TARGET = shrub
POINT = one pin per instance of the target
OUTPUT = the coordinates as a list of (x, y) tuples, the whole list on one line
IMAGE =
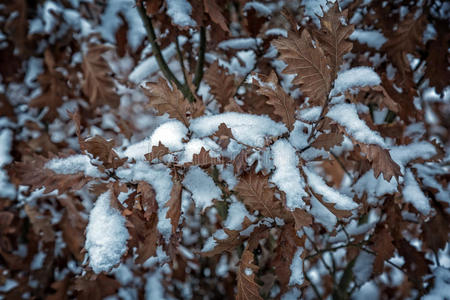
[(220, 149)]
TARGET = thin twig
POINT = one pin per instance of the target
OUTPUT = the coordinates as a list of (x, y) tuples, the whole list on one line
[(157, 51), (183, 70), (342, 165), (201, 58), (315, 289)]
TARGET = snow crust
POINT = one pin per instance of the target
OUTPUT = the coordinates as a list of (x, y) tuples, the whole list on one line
[(240, 44), (246, 128), (170, 134), (346, 115), (180, 12), (73, 164), (297, 268), (414, 195), (329, 194), (286, 175), (261, 9), (355, 77), (371, 38), (7, 190), (106, 235), (202, 187)]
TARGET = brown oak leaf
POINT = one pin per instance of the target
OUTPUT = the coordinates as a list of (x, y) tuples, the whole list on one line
[(307, 63), (383, 247), (222, 84), (284, 105), (157, 152), (215, 12), (174, 204), (381, 162), (256, 194), (333, 37), (98, 83), (246, 285)]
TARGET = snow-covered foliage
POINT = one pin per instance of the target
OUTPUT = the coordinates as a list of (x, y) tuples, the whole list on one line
[(180, 149)]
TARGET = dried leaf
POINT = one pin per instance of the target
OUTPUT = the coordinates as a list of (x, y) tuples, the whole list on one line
[(438, 59), (174, 204), (383, 247), (203, 159), (308, 64), (168, 100), (234, 238), (33, 173), (284, 105), (381, 162), (404, 40), (215, 13), (157, 152), (147, 199), (328, 140), (301, 218), (54, 89), (223, 135), (333, 37), (222, 84), (286, 248), (41, 224), (98, 83), (256, 194), (103, 150), (246, 286)]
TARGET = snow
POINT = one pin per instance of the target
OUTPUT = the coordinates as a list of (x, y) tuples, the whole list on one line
[(154, 290), (298, 138), (158, 176), (276, 31), (106, 235), (246, 128), (8, 285), (372, 38), (287, 176), (180, 12), (236, 214), (292, 294), (322, 215), (73, 164), (374, 187), (150, 66), (202, 187), (347, 116), (6, 137), (362, 269), (194, 146), (329, 194), (310, 114), (240, 44), (110, 22), (406, 153), (261, 9), (211, 241), (170, 134), (355, 77), (315, 9), (297, 268), (414, 195), (441, 288)]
